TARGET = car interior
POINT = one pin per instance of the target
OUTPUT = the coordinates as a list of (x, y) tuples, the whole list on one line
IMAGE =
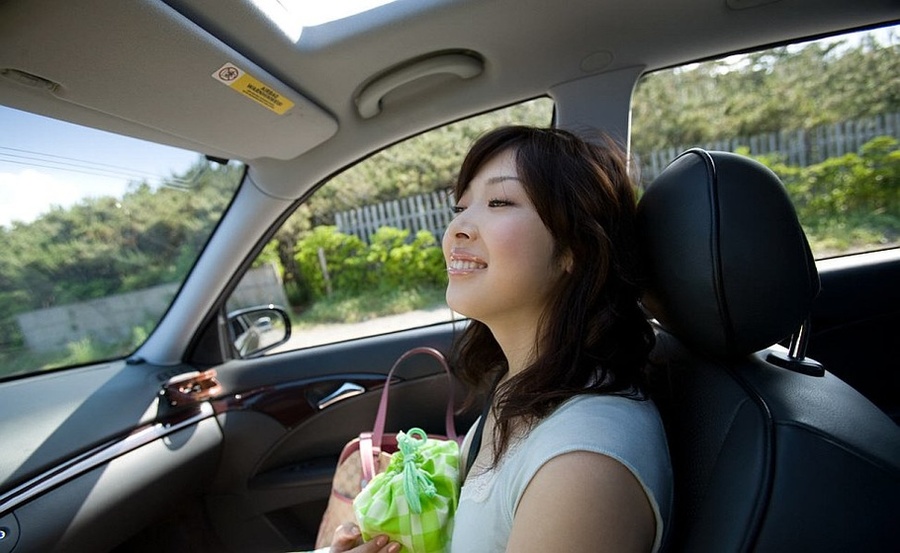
[(219, 427)]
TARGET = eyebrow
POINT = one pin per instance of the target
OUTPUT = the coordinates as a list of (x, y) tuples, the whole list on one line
[(502, 178)]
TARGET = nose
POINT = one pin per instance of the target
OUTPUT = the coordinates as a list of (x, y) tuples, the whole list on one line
[(460, 228)]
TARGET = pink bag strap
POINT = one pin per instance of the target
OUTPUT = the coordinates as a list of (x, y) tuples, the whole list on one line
[(370, 443), (367, 455)]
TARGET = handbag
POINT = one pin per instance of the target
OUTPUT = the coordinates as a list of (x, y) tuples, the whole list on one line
[(414, 500), (370, 454)]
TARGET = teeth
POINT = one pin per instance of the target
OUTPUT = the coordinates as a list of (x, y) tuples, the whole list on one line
[(461, 265)]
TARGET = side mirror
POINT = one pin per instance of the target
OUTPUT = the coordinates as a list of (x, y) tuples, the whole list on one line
[(255, 330)]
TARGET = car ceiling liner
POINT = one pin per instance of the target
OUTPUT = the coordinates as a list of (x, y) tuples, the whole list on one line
[(246, 112)]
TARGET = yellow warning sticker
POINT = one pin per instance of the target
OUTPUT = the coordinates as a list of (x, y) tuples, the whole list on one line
[(245, 83)]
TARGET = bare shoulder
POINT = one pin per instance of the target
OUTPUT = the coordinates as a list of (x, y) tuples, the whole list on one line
[(583, 501)]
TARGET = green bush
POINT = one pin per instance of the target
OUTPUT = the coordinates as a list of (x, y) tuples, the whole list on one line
[(398, 263), (298, 293), (390, 262), (345, 259), (849, 201), (389, 258)]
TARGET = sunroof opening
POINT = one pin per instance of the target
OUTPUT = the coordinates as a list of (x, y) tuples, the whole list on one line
[(317, 13), (292, 16)]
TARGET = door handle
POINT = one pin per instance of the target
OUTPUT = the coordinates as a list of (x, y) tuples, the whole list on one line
[(345, 391), (192, 387)]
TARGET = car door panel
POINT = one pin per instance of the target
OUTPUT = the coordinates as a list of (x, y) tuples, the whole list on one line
[(94, 454), (855, 320), (65, 413), (71, 412), (280, 449), (264, 450), (98, 509)]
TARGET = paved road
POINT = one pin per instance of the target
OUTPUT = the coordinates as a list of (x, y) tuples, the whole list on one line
[(330, 333)]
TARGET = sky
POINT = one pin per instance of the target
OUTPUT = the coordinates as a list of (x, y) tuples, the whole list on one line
[(46, 163), (291, 16)]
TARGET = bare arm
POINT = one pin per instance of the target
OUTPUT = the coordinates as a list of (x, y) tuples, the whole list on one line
[(583, 501)]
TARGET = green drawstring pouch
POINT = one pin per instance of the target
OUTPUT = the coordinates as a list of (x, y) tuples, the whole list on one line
[(413, 501)]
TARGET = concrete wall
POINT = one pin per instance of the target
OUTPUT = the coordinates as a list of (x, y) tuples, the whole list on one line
[(113, 319)]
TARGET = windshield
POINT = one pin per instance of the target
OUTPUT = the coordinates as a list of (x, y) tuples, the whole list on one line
[(98, 232)]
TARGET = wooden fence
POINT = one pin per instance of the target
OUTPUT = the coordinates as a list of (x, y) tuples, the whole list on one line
[(800, 148), (432, 211)]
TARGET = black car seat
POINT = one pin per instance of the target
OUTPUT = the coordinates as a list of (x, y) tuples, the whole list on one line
[(770, 452)]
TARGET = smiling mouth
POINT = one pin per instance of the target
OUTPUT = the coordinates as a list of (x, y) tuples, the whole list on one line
[(465, 265)]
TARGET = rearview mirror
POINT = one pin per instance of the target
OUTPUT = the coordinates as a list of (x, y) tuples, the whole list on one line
[(255, 330)]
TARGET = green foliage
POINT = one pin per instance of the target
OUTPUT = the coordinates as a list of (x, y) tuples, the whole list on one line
[(398, 263), (296, 287), (268, 255), (82, 351), (297, 293), (345, 261), (104, 246), (353, 309), (782, 88), (848, 202), (19, 360), (422, 164), (390, 262)]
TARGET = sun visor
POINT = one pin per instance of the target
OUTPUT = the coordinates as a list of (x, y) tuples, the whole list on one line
[(145, 64)]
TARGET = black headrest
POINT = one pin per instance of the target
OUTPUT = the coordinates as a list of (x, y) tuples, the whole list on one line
[(730, 270)]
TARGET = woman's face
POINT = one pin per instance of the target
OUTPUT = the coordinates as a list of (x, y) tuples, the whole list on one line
[(499, 255)]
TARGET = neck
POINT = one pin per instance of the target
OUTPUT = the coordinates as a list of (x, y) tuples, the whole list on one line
[(518, 344)]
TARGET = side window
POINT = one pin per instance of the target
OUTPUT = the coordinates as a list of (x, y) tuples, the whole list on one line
[(823, 115), (362, 256), (98, 232)]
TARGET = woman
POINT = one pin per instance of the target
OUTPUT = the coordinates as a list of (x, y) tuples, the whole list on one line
[(541, 256)]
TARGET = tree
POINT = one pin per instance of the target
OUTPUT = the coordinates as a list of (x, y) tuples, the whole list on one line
[(105, 246), (785, 88)]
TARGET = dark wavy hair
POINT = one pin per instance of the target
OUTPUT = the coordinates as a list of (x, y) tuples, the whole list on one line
[(593, 335)]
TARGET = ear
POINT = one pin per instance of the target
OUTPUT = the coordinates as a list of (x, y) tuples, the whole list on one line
[(567, 261)]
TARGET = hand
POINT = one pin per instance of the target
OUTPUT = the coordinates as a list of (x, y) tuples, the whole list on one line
[(348, 539)]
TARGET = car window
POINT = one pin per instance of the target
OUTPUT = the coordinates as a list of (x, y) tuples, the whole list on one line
[(362, 256), (98, 232), (823, 115)]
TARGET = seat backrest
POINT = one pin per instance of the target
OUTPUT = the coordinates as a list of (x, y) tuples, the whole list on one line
[(765, 458)]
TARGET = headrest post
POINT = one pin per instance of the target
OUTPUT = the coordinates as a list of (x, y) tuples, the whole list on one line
[(795, 359), (799, 341)]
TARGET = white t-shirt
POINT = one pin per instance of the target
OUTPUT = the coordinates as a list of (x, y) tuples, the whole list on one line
[(627, 430)]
